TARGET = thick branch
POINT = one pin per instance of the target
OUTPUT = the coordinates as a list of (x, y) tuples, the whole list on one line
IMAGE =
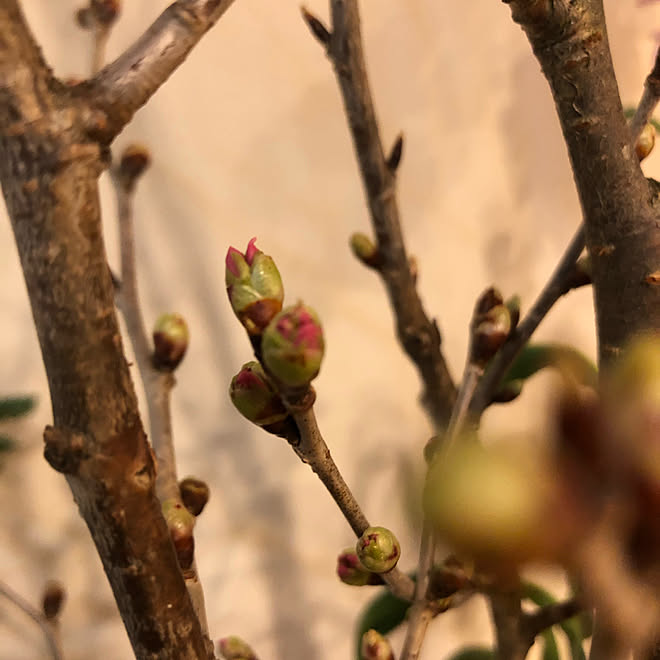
[(125, 85), (48, 171), (569, 39), (417, 333)]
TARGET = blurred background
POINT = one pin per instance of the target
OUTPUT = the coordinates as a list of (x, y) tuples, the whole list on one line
[(249, 139)]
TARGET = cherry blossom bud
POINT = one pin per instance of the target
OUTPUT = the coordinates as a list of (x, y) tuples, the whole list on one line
[(194, 494), (171, 339), (234, 648), (489, 328), (378, 549), (351, 571), (180, 523), (374, 646), (645, 141), (254, 287), (292, 346), (255, 397)]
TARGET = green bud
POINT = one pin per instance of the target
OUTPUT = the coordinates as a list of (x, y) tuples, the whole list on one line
[(234, 648), (254, 287), (364, 250), (171, 339), (292, 346), (374, 646), (378, 549), (351, 571), (180, 523), (254, 396)]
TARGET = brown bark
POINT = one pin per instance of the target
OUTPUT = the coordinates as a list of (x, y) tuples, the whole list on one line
[(50, 160)]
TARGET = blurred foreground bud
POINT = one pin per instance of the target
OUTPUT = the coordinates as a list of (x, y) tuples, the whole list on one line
[(180, 524), (292, 346), (134, 161), (234, 648), (489, 328), (105, 12), (645, 142), (494, 505), (365, 250), (194, 494), (53, 599), (254, 396), (254, 287), (171, 338), (378, 549), (374, 646), (351, 571)]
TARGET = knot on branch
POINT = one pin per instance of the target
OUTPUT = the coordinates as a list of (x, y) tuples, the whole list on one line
[(64, 449)]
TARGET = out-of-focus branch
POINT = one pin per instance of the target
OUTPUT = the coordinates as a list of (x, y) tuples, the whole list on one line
[(38, 617), (124, 86), (550, 615), (507, 615), (559, 283), (417, 333), (648, 102)]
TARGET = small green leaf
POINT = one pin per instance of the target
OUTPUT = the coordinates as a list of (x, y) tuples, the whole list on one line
[(384, 613), (550, 650), (473, 653), (16, 406)]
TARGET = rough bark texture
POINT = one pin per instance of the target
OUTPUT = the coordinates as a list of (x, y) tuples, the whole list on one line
[(621, 211), (49, 166)]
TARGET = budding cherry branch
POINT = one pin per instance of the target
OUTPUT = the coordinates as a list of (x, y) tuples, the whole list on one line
[(55, 142)]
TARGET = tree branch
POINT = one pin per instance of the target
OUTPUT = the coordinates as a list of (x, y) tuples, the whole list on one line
[(417, 333), (125, 85), (569, 38), (550, 615)]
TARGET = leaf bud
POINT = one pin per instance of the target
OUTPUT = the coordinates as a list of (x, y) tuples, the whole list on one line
[(254, 287), (105, 12), (292, 346), (53, 599), (373, 646), (255, 397), (180, 523), (134, 161), (378, 549), (365, 250), (234, 648), (489, 328), (645, 141), (194, 494), (171, 339), (351, 571)]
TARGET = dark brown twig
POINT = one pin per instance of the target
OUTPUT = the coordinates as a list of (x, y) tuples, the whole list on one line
[(417, 333)]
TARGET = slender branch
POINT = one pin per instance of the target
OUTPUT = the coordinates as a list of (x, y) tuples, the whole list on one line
[(550, 615), (53, 644), (557, 285), (648, 102), (312, 449), (507, 615), (417, 333), (125, 85)]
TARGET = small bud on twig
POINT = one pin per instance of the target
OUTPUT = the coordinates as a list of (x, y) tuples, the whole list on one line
[(171, 338), (378, 549), (374, 646), (194, 494), (365, 250), (134, 161), (255, 397), (180, 523), (53, 599), (394, 157), (489, 328), (351, 571), (320, 32), (234, 648), (645, 142), (105, 12)]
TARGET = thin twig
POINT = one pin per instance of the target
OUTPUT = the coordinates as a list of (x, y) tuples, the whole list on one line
[(313, 450), (553, 290), (648, 102), (550, 615), (417, 333), (43, 623)]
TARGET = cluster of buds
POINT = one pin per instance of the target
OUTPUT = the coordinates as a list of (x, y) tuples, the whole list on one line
[(254, 287), (180, 524), (491, 325), (171, 337)]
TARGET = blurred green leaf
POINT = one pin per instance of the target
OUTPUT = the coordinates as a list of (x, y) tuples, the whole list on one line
[(16, 406), (6, 443), (550, 650), (384, 613), (534, 357), (473, 653)]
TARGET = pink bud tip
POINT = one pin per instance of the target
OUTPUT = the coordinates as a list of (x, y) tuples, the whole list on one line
[(230, 263), (252, 251)]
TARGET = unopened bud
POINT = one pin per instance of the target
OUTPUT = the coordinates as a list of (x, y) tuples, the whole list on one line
[(254, 287), (134, 160), (365, 250), (180, 523), (194, 494), (374, 646), (85, 18), (351, 571), (292, 346), (255, 397), (378, 549), (105, 12), (489, 328), (513, 305), (53, 599), (645, 141), (234, 648), (171, 339)]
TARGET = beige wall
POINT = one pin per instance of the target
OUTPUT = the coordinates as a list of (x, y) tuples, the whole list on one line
[(249, 139)]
